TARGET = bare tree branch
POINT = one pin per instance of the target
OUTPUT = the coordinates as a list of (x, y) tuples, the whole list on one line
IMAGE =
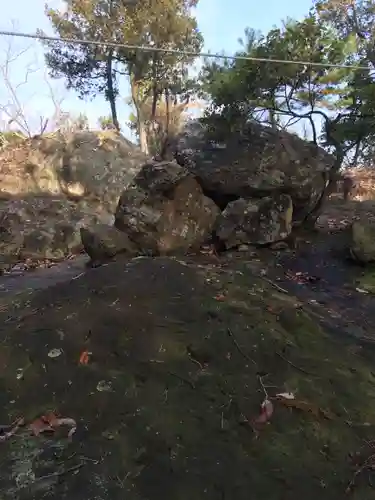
[(12, 106)]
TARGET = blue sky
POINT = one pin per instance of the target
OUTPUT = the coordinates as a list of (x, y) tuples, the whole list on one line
[(221, 22)]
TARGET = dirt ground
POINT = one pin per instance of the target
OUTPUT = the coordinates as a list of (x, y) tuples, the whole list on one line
[(250, 376), (320, 271)]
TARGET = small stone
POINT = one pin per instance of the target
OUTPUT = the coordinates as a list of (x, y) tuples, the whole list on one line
[(243, 248), (104, 386), (55, 353)]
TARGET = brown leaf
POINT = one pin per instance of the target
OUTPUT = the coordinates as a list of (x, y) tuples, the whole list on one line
[(39, 425), (50, 422)]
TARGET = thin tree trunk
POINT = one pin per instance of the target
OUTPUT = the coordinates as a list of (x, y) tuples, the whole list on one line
[(143, 135), (141, 122), (110, 93), (165, 133)]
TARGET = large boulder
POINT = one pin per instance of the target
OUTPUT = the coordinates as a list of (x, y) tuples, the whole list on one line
[(39, 228), (52, 185), (164, 210), (254, 162), (362, 241), (258, 222), (102, 242), (93, 165)]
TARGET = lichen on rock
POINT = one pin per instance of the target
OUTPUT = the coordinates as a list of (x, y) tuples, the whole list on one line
[(255, 221), (164, 210)]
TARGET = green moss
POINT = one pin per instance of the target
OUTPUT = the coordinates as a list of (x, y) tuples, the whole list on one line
[(363, 241), (184, 369), (367, 280)]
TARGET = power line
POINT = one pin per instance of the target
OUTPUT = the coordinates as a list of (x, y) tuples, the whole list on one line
[(177, 52), (146, 48)]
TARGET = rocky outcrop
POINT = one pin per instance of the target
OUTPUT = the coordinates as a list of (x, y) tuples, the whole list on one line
[(258, 222), (256, 162), (52, 186), (43, 228), (97, 191), (82, 165), (163, 211)]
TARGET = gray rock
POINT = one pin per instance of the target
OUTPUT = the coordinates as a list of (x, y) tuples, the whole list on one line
[(37, 228), (164, 210), (254, 162), (255, 222), (102, 242), (93, 165), (362, 241)]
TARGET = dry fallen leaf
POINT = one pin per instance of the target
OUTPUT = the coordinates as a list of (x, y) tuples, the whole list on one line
[(40, 425), (285, 395), (50, 422), (306, 407), (84, 358), (220, 297), (266, 411)]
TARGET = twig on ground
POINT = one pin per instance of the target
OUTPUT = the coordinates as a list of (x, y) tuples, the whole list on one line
[(238, 347), (293, 365), (196, 362), (187, 381), (282, 290), (10, 430), (61, 473), (263, 387)]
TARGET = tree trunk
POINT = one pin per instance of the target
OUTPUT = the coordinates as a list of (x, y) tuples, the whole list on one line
[(110, 93), (143, 135), (272, 119), (330, 179), (141, 121)]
